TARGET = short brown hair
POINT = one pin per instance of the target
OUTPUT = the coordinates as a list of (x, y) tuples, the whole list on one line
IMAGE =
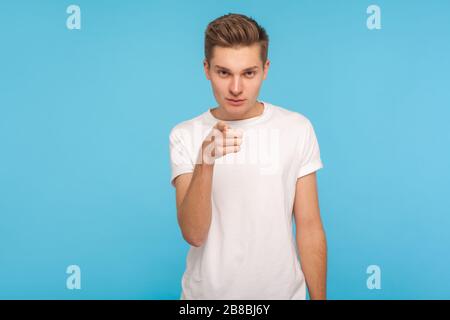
[(232, 30)]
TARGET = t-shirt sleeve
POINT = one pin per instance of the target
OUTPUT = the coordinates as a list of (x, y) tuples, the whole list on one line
[(180, 159), (309, 152)]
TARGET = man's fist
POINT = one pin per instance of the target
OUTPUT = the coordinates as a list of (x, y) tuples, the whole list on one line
[(220, 141)]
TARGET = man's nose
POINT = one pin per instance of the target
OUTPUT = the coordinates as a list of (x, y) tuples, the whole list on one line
[(236, 86)]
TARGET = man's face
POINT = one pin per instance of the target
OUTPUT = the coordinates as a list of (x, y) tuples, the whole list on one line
[(236, 74)]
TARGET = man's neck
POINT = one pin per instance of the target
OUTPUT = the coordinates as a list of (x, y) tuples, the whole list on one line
[(255, 111)]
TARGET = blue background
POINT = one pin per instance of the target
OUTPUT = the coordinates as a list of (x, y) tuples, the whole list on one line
[(85, 117)]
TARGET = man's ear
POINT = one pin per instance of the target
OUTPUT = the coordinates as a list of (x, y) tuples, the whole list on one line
[(266, 68), (206, 68)]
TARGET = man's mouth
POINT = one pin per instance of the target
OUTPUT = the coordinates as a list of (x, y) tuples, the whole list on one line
[(235, 102)]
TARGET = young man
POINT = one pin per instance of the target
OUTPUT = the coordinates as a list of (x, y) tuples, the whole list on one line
[(242, 171)]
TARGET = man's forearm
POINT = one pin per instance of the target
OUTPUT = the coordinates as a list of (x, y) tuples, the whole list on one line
[(194, 214), (312, 248)]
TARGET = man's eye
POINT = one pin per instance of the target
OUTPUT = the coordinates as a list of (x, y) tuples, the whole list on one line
[(250, 73), (222, 73)]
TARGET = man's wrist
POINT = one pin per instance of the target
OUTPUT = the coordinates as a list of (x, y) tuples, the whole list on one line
[(205, 166)]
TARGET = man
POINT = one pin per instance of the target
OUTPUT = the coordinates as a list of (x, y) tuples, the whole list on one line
[(242, 171)]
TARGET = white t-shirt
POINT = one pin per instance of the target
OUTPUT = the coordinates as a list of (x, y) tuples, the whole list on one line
[(250, 251)]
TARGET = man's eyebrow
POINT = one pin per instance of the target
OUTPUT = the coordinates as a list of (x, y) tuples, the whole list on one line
[(246, 69)]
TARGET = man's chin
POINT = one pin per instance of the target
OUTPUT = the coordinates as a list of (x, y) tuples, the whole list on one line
[(235, 109)]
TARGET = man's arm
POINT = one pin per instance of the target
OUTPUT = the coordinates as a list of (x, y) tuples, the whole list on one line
[(311, 241), (193, 197), (193, 190)]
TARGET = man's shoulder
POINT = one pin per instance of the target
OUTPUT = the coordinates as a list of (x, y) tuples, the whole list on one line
[(189, 123)]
